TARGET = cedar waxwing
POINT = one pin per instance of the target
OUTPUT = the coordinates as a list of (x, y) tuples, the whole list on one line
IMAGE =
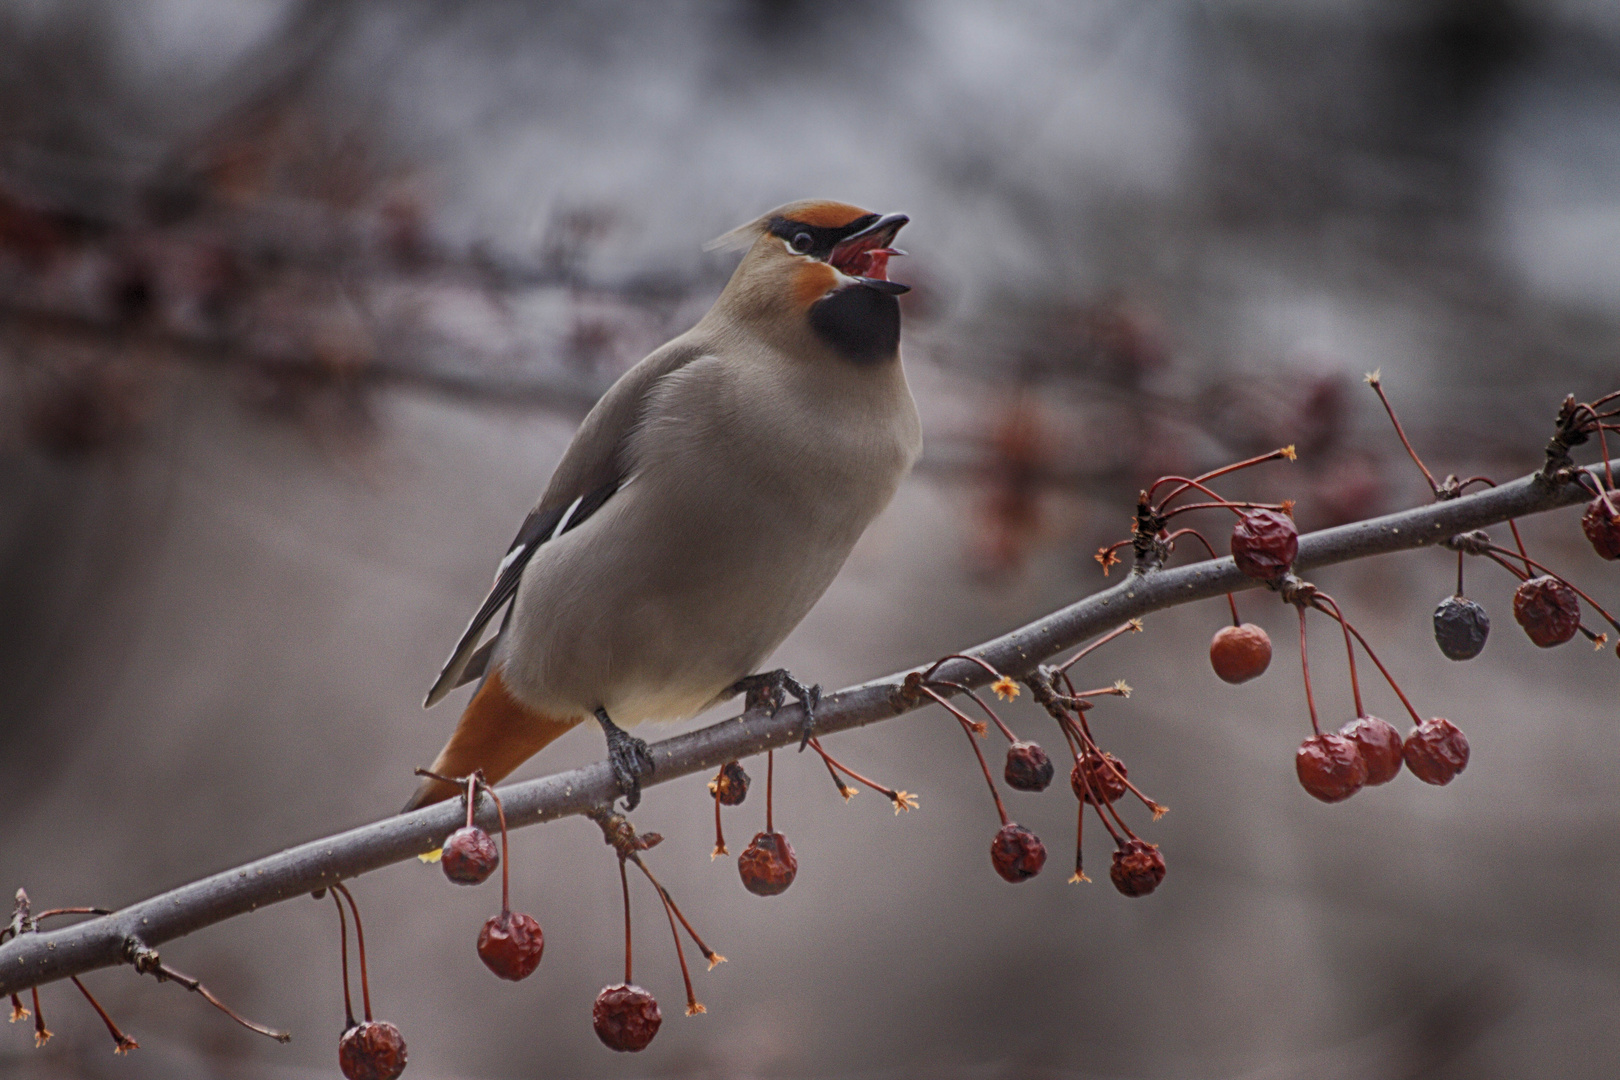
[(703, 507)]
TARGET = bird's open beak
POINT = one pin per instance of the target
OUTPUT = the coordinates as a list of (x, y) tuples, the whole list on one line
[(865, 255)]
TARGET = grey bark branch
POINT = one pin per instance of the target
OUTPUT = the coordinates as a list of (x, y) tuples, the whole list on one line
[(35, 958)]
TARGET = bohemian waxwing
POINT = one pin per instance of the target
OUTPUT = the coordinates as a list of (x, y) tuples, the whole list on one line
[(703, 507)]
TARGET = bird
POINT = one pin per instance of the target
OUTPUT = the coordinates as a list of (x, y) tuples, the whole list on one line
[(704, 505)]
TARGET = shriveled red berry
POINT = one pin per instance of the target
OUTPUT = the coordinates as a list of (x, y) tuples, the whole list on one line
[(470, 856), (767, 865), (1380, 746), (1436, 751), (1138, 868), (1601, 524), (1028, 767), (1106, 774), (1017, 853), (1330, 767), (510, 945), (1264, 543), (731, 786), (1549, 610), (374, 1050), (625, 1017), (1240, 653), (1460, 628)]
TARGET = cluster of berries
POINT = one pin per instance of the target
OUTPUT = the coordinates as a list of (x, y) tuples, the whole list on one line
[(625, 1016)]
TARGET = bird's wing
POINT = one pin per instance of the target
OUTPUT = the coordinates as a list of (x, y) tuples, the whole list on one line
[(589, 474)]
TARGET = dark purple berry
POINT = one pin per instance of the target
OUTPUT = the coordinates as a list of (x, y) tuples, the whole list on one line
[(1138, 868), (1460, 628), (1028, 767), (1017, 853)]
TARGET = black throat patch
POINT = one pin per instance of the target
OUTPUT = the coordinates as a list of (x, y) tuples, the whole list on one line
[(860, 324)]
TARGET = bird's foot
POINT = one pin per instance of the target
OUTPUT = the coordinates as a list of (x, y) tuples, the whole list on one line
[(769, 689), (629, 757)]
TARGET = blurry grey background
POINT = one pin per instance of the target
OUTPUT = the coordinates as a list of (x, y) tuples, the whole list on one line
[(300, 301)]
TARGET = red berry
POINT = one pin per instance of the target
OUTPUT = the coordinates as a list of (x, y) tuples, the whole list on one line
[(510, 945), (374, 1050), (1138, 868), (469, 856), (1264, 543), (625, 1017), (1380, 746), (1436, 751), (1240, 653), (1549, 610), (1601, 524), (1330, 767), (731, 786), (1028, 767), (1105, 772), (767, 865), (1017, 853)]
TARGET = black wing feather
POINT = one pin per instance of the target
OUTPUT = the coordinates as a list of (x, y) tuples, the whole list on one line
[(467, 663)]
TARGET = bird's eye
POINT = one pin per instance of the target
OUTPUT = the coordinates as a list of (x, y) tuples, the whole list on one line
[(802, 242)]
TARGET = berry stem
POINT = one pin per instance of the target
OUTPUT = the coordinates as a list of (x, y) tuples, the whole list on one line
[(708, 954), (624, 882), (975, 727), (719, 833), (1305, 666), (988, 711), (988, 779), (122, 1044), (1459, 575), (1224, 504), (17, 1010), (1349, 648), (1196, 535), (1134, 626), (42, 1034), (1393, 685), (770, 789), (506, 861), (360, 947), (1079, 846), (937, 664), (71, 911), (164, 973), (1378, 388), (693, 1006), (343, 952), (833, 763), (1157, 809), (1281, 453)]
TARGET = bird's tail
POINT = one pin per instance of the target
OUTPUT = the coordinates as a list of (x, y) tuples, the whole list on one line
[(497, 733)]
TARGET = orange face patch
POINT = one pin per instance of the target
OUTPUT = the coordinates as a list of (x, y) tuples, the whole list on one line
[(828, 215), (812, 281)]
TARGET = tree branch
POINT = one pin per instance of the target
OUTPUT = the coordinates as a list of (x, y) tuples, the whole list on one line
[(34, 958)]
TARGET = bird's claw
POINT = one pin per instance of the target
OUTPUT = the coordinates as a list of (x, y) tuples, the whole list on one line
[(630, 759), (769, 689)]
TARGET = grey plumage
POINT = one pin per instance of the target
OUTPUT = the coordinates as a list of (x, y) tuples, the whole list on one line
[(705, 503)]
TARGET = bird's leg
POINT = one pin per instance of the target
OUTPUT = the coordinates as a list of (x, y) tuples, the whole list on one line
[(629, 757), (769, 689)]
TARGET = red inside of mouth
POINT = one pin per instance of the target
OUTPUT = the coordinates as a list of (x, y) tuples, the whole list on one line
[(866, 256)]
